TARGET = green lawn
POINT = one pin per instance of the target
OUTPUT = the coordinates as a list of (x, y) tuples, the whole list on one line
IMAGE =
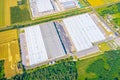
[(1, 13), (103, 67), (82, 65)]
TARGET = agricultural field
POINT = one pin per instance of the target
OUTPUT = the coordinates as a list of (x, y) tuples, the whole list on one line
[(5, 12), (9, 52), (95, 3), (111, 14), (20, 13), (102, 67), (1, 13), (8, 36)]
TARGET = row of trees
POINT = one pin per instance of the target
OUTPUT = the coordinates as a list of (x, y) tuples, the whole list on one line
[(2, 69), (59, 71)]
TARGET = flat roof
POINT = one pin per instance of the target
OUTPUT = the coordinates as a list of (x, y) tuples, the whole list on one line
[(62, 1), (44, 5), (35, 45), (52, 41), (68, 3), (83, 31), (40, 43)]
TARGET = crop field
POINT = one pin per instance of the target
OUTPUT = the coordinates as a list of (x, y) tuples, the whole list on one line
[(95, 3), (5, 12), (7, 36), (1, 13), (9, 51)]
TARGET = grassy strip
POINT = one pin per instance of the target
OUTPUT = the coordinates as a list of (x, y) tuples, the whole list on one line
[(55, 16), (48, 18)]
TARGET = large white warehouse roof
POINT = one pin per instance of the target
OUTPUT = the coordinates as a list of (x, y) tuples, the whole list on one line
[(83, 31), (44, 5), (35, 45), (62, 1)]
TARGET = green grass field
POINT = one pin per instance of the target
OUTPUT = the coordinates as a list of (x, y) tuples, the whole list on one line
[(19, 15), (102, 67), (82, 65), (1, 13)]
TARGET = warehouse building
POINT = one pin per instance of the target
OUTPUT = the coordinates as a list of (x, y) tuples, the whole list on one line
[(67, 4), (35, 45), (83, 31), (40, 43), (52, 41), (40, 7)]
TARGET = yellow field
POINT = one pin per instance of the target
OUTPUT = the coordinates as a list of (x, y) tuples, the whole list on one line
[(95, 3), (7, 4), (7, 36), (9, 51), (104, 47)]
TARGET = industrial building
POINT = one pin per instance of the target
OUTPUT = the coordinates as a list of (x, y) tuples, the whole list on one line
[(44, 7), (40, 43), (53, 40), (83, 31), (67, 4), (40, 7)]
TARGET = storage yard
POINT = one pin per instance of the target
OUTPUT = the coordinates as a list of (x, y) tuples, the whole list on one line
[(40, 43), (9, 51)]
